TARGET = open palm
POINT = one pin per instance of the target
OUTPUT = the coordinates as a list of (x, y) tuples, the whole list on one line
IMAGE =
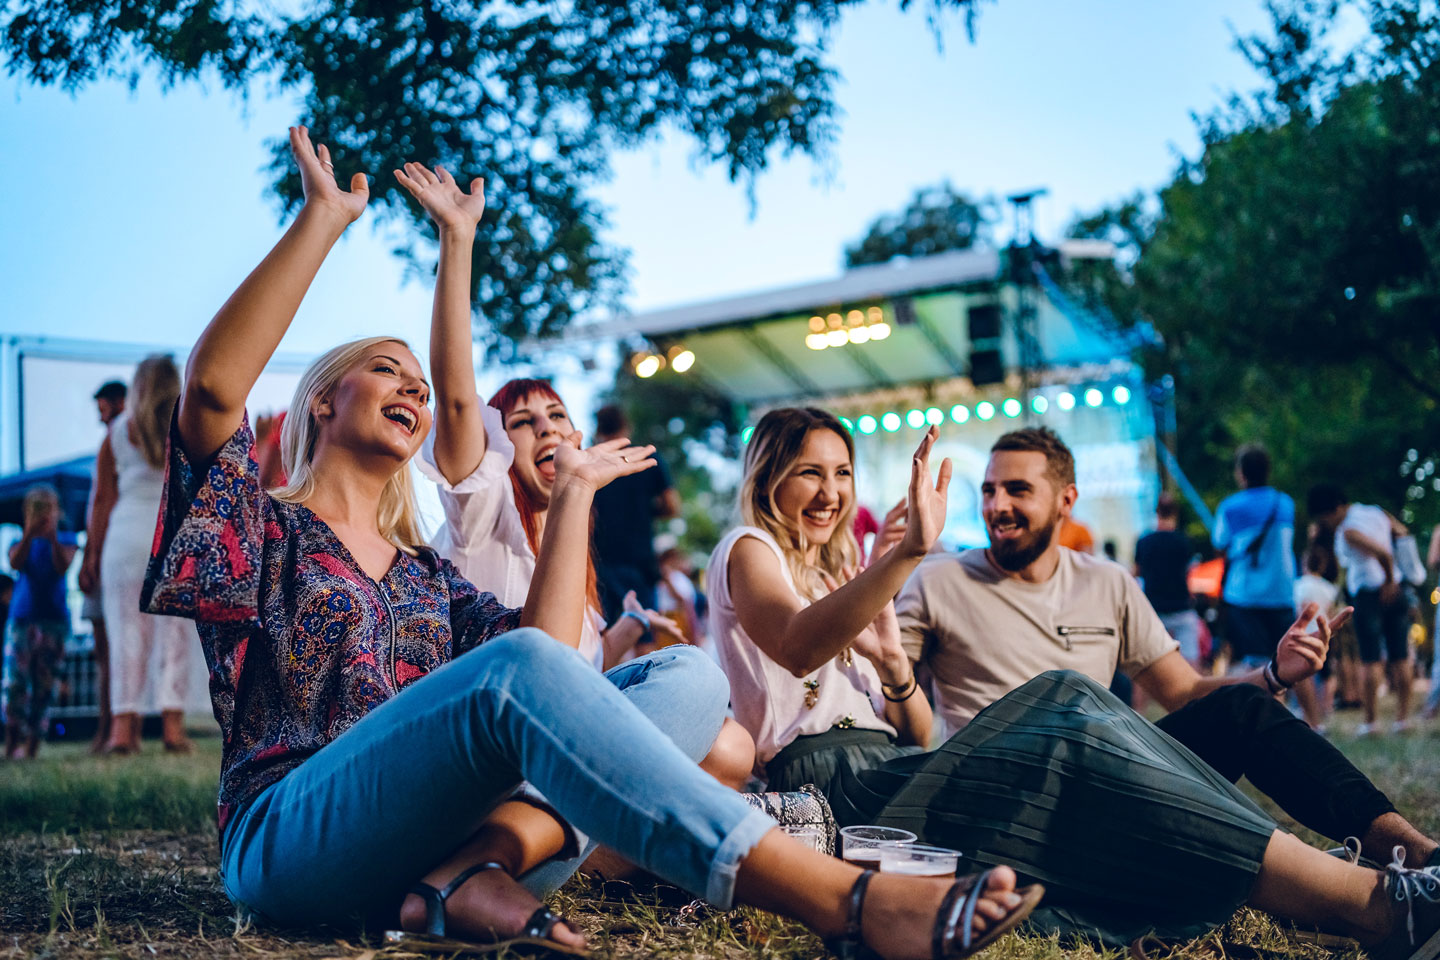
[(925, 503), (317, 178), (448, 205), (598, 465)]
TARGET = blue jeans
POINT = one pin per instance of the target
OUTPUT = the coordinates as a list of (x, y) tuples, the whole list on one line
[(344, 835)]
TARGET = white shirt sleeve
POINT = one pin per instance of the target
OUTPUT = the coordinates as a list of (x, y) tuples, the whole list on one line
[(483, 535)]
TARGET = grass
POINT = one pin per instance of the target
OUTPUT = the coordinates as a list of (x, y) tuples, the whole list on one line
[(117, 858)]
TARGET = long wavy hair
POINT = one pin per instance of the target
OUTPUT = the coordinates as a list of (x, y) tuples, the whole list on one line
[(770, 457), (153, 394), (506, 399), (398, 517)]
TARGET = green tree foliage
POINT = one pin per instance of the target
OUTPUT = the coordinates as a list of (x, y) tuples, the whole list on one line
[(937, 219), (1293, 268), (531, 95)]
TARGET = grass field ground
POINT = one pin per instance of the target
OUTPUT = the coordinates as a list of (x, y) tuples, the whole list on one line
[(109, 857)]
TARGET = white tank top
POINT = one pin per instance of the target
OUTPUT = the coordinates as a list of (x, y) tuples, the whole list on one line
[(138, 485), (770, 701)]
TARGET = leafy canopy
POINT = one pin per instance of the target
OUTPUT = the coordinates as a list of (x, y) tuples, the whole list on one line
[(936, 219), (531, 95), (1294, 266)]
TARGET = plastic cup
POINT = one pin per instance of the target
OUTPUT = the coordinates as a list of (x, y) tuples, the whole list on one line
[(862, 845), (919, 860), (812, 837)]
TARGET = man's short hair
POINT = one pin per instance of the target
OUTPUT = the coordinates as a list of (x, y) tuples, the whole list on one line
[(112, 390), (1059, 461), (1167, 508), (1324, 499), (610, 420), (1253, 462)]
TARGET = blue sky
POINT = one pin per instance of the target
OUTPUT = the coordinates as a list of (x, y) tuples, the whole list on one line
[(131, 216)]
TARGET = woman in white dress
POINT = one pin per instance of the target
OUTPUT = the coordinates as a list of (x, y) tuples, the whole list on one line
[(129, 477)]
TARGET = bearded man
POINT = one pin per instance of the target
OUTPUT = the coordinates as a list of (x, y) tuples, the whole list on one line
[(985, 621)]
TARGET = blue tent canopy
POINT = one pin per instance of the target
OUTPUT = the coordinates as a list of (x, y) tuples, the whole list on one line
[(71, 478)]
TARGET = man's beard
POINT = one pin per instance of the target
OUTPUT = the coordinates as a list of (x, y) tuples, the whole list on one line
[(1015, 555)]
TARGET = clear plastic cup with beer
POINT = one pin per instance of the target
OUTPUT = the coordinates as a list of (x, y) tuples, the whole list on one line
[(919, 860), (861, 845)]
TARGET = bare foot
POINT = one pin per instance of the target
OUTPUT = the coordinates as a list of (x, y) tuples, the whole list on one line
[(489, 905), (898, 920)]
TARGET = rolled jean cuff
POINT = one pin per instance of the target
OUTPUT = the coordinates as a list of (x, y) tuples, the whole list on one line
[(742, 838)]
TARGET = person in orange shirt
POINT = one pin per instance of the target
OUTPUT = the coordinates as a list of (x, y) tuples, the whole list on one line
[(1076, 536)]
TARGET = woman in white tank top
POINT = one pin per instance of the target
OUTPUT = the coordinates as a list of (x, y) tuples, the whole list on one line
[(130, 473)]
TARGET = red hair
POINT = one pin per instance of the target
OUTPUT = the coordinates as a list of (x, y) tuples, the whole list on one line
[(506, 399)]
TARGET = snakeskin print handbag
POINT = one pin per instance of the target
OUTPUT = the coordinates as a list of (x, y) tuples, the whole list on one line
[(806, 807)]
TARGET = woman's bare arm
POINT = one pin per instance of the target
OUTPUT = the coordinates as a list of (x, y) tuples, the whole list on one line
[(557, 599), (107, 491), (801, 638), (459, 432), (231, 353)]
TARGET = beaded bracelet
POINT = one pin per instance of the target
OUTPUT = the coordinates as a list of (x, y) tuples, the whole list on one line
[(643, 620)]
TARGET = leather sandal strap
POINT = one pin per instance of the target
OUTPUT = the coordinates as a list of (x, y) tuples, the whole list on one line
[(855, 906), (434, 908), (435, 899), (956, 909), (541, 922)]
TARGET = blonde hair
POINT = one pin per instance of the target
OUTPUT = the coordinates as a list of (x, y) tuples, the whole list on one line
[(153, 394), (398, 516), (770, 457)]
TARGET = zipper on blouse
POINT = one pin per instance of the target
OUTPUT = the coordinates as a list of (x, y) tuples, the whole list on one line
[(1068, 632), (390, 622)]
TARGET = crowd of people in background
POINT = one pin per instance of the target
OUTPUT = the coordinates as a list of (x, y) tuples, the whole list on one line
[(433, 734)]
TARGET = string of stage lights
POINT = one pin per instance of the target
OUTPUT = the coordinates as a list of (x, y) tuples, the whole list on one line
[(1011, 408)]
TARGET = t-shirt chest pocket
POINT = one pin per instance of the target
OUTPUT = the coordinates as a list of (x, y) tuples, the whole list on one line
[(1081, 634)]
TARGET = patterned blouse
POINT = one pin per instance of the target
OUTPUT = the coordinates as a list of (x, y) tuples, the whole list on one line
[(301, 643)]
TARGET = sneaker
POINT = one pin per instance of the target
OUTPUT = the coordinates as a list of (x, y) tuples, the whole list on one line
[(1351, 851), (1416, 894), (1365, 730)]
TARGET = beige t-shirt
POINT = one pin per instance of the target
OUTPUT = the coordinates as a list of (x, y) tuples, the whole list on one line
[(982, 633)]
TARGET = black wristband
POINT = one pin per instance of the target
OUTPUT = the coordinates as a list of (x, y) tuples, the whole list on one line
[(913, 685), (1272, 678)]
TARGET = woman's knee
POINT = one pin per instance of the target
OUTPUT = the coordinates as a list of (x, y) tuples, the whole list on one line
[(705, 683)]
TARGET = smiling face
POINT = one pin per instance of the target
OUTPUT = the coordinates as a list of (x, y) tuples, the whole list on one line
[(819, 487), (536, 425), (379, 406), (1022, 505)]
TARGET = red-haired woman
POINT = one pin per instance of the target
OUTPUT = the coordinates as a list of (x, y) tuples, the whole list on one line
[(495, 466)]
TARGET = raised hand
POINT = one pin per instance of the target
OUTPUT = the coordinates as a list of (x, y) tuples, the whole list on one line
[(448, 205), (1300, 655), (891, 532), (598, 465), (317, 178), (925, 504)]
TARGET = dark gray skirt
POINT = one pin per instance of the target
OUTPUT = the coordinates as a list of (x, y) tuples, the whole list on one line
[(1130, 832)]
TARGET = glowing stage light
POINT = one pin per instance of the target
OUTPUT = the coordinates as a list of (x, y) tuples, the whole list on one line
[(891, 422), (1066, 401), (1011, 407), (959, 413), (984, 409), (1093, 397), (867, 424)]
